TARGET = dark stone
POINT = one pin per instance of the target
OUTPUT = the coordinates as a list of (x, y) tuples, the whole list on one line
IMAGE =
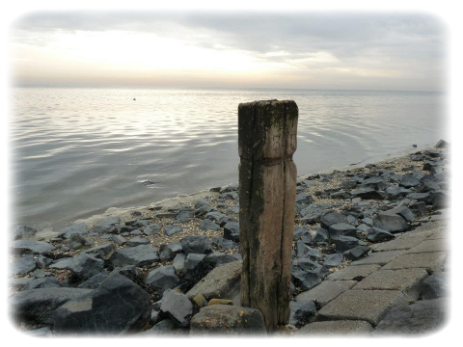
[(47, 282), (303, 199), (357, 252), (454, 260), (79, 229), (34, 338), (177, 306), (409, 181), (441, 144), (342, 229), (136, 232), (231, 231), (31, 246), (138, 256), (230, 196), (225, 244), (37, 306), (179, 262), (192, 260), (298, 233), (24, 265), (42, 261), (103, 252), (304, 251), (344, 243), (131, 272), (117, 306), (23, 231), (434, 286), (105, 225), (152, 229), (118, 239), (311, 218), (349, 184), (333, 259), (367, 193), (207, 224), (196, 244), (332, 217), (214, 216), (94, 281), (227, 320), (137, 241), (301, 312), (202, 210), (321, 235), (169, 251), (440, 199), (420, 318), (184, 216), (82, 265), (219, 258), (172, 229), (163, 278), (379, 235), (305, 279), (394, 192), (391, 222)]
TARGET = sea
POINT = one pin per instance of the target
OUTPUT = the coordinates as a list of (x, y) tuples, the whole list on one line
[(75, 152)]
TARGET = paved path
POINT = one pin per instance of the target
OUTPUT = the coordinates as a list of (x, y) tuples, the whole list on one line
[(383, 292)]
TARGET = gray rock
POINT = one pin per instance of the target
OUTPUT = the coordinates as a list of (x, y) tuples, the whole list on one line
[(304, 251), (379, 235), (333, 259), (225, 244), (105, 225), (192, 260), (332, 217), (103, 252), (24, 265), (219, 258), (454, 260), (138, 256), (34, 338), (94, 281), (231, 231), (435, 286), (357, 252), (22, 231), (304, 199), (344, 243), (409, 181), (177, 306), (131, 272), (76, 229), (152, 229), (390, 222), (47, 282), (184, 216), (207, 224), (179, 262), (196, 244), (118, 239), (37, 306), (214, 216), (367, 193), (172, 229), (137, 241), (117, 306), (230, 196), (169, 251), (342, 229), (305, 279), (301, 312), (42, 261), (163, 278), (228, 320), (420, 318), (31, 246), (82, 265)]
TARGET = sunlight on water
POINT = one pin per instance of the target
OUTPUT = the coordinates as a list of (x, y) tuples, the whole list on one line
[(77, 152)]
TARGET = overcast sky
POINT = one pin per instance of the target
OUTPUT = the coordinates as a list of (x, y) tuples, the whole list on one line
[(237, 50)]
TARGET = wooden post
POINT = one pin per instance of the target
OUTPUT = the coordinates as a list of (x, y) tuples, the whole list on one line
[(267, 141)]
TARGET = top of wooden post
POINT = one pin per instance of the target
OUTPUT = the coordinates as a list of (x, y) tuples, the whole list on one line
[(264, 126)]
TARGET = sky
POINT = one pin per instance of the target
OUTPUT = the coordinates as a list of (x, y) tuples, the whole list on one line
[(305, 50)]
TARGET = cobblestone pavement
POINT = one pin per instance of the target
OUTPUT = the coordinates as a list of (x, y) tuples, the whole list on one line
[(400, 288)]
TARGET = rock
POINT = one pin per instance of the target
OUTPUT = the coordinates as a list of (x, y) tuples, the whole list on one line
[(78, 241), (131, 272), (203, 210), (299, 232), (303, 199), (31, 246), (441, 144), (221, 282), (76, 229), (136, 232), (367, 193), (390, 222), (219, 258), (163, 278), (184, 216), (231, 231), (305, 279), (117, 306), (169, 251), (214, 216), (138, 256), (37, 306), (172, 229), (34, 338), (24, 265), (311, 218), (177, 306), (320, 235), (192, 260), (409, 180), (332, 217), (229, 196), (301, 312), (344, 243), (225, 244), (82, 265), (333, 260), (440, 199), (304, 251), (220, 302), (357, 252), (342, 229), (137, 241), (379, 235), (207, 224), (47, 282), (118, 239), (349, 184), (454, 260), (94, 281), (196, 244), (393, 192), (105, 225), (199, 300), (434, 287), (403, 212), (23, 231), (152, 229), (179, 262), (103, 252), (420, 318), (230, 320)]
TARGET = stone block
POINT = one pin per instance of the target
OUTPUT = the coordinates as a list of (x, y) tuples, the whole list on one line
[(399, 244), (429, 246), (429, 261), (325, 292), (380, 258), (339, 327), (353, 272)]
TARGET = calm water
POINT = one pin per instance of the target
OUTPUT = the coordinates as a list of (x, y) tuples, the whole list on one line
[(77, 152)]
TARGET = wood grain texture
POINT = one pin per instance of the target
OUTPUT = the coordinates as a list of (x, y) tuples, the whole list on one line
[(267, 141)]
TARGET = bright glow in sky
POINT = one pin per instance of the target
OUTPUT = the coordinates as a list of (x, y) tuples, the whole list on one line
[(268, 50)]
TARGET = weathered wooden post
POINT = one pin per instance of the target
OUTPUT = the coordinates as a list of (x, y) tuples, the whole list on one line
[(267, 141)]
